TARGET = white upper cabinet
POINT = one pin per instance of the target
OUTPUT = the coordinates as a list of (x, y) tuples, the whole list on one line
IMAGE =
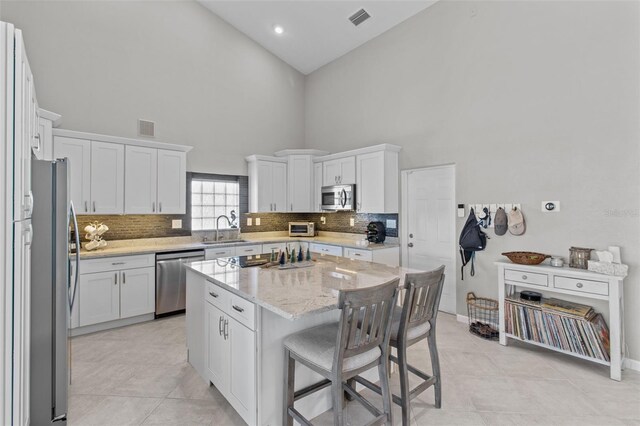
[(172, 182), (300, 178), (341, 171), (78, 151), (141, 180), (267, 185), (377, 182), (112, 175), (107, 178), (317, 187)]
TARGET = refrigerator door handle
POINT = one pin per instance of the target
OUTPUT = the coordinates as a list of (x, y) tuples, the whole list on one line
[(72, 295)]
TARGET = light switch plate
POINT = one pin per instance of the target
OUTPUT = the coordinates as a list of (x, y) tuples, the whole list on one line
[(391, 223), (257, 221), (249, 221), (460, 210), (176, 224), (352, 221)]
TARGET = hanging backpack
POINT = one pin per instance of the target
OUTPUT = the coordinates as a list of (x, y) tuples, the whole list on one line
[(472, 239)]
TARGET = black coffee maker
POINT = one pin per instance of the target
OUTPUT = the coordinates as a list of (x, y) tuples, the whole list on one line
[(376, 232)]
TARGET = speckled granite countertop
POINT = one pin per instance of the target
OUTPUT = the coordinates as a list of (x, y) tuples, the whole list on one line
[(159, 245), (293, 293)]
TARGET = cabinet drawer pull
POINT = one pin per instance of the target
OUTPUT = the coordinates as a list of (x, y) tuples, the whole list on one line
[(357, 254), (248, 250), (524, 277), (238, 308), (579, 285), (221, 252), (212, 294), (117, 263)]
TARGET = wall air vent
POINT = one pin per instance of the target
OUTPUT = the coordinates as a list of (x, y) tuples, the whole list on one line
[(359, 17), (146, 128)]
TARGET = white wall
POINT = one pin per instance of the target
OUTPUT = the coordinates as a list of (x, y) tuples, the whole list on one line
[(532, 100), (104, 64)]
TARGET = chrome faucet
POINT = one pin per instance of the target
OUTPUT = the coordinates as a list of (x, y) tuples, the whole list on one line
[(218, 224)]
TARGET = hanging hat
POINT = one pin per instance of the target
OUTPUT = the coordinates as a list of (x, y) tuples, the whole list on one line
[(500, 222), (516, 222)]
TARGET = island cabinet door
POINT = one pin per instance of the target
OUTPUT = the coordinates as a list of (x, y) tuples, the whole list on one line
[(217, 347), (242, 369)]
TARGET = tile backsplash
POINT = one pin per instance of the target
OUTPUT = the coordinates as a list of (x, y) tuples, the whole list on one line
[(336, 221), (127, 227)]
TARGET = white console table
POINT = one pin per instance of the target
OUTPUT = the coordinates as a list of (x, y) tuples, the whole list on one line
[(571, 281)]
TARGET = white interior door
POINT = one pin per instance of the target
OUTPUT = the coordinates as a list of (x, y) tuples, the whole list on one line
[(429, 225)]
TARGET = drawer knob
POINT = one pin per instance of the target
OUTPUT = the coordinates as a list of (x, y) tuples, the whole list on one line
[(212, 294), (579, 285), (524, 277), (238, 308)]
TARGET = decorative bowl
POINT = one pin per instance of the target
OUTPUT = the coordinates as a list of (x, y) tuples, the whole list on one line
[(526, 257)]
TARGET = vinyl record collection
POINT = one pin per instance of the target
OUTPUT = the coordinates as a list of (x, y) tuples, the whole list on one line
[(560, 324)]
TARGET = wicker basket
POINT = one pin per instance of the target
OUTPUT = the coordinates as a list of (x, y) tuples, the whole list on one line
[(526, 257), (483, 316)]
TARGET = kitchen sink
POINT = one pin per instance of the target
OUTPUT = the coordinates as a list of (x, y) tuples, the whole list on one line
[(223, 242)]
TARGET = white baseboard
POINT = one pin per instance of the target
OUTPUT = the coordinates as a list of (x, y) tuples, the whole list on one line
[(462, 318), (631, 364)]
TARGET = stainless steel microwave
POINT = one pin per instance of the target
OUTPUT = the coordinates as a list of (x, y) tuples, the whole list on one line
[(339, 197), (302, 229)]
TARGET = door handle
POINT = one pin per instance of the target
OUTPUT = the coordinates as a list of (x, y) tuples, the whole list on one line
[(123, 278), (410, 245), (160, 206), (226, 329), (220, 327), (115, 279), (94, 206), (153, 207), (86, 207)]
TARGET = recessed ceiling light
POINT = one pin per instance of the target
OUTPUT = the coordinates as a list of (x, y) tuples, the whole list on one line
[(278, 29)]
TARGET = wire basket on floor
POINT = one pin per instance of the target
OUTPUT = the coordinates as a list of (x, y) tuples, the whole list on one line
[(483, 316)]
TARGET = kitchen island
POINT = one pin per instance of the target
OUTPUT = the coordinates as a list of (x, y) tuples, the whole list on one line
[(237, 319)]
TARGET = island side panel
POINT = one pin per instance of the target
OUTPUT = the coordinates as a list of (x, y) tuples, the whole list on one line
[(195, 323), (273, 329)]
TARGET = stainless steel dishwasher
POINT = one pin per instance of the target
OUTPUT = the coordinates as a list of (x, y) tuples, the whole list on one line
[(171, 280)]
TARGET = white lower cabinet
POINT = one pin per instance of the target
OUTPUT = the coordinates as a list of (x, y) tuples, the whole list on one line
[(137, 292), (231, 354), (115, 288), (325, 249), (99, 297)]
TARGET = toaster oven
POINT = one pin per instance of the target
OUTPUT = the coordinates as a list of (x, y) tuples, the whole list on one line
[(302, 229)]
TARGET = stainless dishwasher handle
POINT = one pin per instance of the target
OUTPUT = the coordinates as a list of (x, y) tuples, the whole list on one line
[(238, 308)]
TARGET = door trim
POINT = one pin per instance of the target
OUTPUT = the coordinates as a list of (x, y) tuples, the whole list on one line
[(404, 237)]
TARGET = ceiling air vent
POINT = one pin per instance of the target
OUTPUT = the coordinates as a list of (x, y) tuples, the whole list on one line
[(146, 128), (359, 17)]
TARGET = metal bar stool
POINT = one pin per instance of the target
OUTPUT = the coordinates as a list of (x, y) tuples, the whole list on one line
[(415, 321), (339, 351)]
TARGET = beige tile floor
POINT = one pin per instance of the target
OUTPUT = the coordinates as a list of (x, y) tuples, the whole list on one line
[(139, 375)]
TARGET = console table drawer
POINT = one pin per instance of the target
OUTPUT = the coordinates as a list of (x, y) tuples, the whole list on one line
[(583, 286), (526, 277)]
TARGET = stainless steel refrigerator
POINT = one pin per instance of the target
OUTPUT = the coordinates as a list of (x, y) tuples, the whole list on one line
[(52, 292)]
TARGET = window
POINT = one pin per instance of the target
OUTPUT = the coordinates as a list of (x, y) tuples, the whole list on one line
[(213, 198)]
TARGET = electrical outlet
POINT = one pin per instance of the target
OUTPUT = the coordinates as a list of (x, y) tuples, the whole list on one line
[(323, 220), (257, 221), (352, 221), (249, 221), (391, 223), (176, 224)]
